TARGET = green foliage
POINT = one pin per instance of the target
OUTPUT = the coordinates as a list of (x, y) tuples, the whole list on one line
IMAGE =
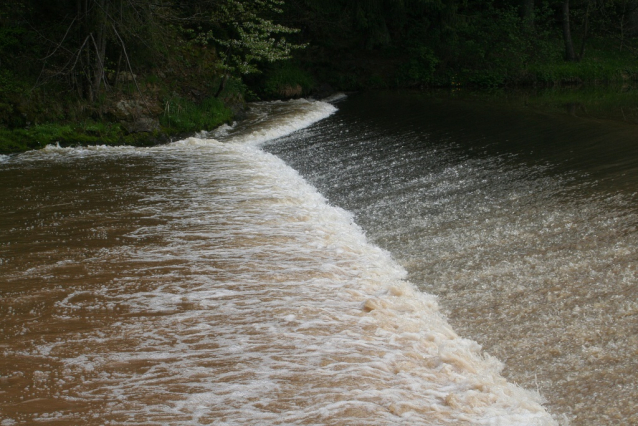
[(420, 68), (12, 141), (10, 117), (377, 81), (235, 88), (59, 59), (492, 46), (246, 36), (79, 134), (10, 39), (182, 115), (287, 80), (39, 136), (11, 90), (602, 64), (483, 43)]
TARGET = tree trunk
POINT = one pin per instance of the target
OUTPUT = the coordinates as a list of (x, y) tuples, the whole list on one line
[(221, 86), (100, 13), (86, 63), (116, 77), (585, 32), (88, 87), (622, 25), (527, 13), (567, 33)]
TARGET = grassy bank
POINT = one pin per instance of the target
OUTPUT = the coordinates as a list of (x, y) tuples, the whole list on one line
[(41, 119), (607, 72), (602, 63), (87, 133), (180, 116)]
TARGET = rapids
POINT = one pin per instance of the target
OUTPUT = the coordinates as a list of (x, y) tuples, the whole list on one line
[(209, 281)]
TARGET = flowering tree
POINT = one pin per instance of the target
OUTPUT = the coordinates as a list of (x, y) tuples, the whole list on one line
[(245, 34)]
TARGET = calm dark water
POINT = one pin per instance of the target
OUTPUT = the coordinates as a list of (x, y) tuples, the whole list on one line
[(523, 222)]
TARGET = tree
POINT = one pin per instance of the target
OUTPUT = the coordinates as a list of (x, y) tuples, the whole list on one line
[(617, 19), (245, 35), (527, 13), (567, 33), (83, 38)]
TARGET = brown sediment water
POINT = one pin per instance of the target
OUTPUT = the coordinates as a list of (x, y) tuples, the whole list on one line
[(206, 282)]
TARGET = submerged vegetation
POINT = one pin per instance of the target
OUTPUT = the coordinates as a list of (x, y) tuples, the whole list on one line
[(131, 72)]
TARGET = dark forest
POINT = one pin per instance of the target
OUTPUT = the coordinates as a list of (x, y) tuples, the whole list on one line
[(139, 72)]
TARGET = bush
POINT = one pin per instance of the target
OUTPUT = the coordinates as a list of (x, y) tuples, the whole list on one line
[(182, 115), (84, 133), (601, 64), (287, 81), (419, 70)]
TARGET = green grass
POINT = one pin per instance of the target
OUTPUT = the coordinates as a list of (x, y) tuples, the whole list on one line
[(86, 133), (183, 116), (285, 78), (39, 136), (602, 63)]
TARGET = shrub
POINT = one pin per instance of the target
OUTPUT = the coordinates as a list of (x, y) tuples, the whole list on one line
[(184, 115), (287, 81)]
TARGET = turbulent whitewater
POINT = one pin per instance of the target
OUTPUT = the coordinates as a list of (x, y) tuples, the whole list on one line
[(523, 223), (206, 282)]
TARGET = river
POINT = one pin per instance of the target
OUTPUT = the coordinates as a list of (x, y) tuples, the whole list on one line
[(390, 258)]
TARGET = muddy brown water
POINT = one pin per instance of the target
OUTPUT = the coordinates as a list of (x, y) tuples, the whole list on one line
[(209, 283)]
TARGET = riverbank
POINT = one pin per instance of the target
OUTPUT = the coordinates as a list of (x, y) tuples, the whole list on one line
[(616, 102), (149, 77), (159, 106), (137, 120)]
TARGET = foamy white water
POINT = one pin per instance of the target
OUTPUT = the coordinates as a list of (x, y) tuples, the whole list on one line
[(270, 120), (523, 224), (335, 97), (240, 297)]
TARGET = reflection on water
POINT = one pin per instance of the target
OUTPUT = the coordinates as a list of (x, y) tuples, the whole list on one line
[(522, 221), (207, 283), (606, 102)]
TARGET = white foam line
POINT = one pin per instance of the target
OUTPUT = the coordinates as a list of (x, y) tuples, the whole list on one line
[(360, 341), (297, 115), (290, 117), (335, 98)]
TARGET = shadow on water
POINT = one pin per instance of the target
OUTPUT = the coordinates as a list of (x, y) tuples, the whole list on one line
[(591, 131)]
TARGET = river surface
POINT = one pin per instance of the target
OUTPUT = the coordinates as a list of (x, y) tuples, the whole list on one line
[(389, 259)]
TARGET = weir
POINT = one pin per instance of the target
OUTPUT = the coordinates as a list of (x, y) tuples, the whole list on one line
[(522, 221), (206, 282)]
